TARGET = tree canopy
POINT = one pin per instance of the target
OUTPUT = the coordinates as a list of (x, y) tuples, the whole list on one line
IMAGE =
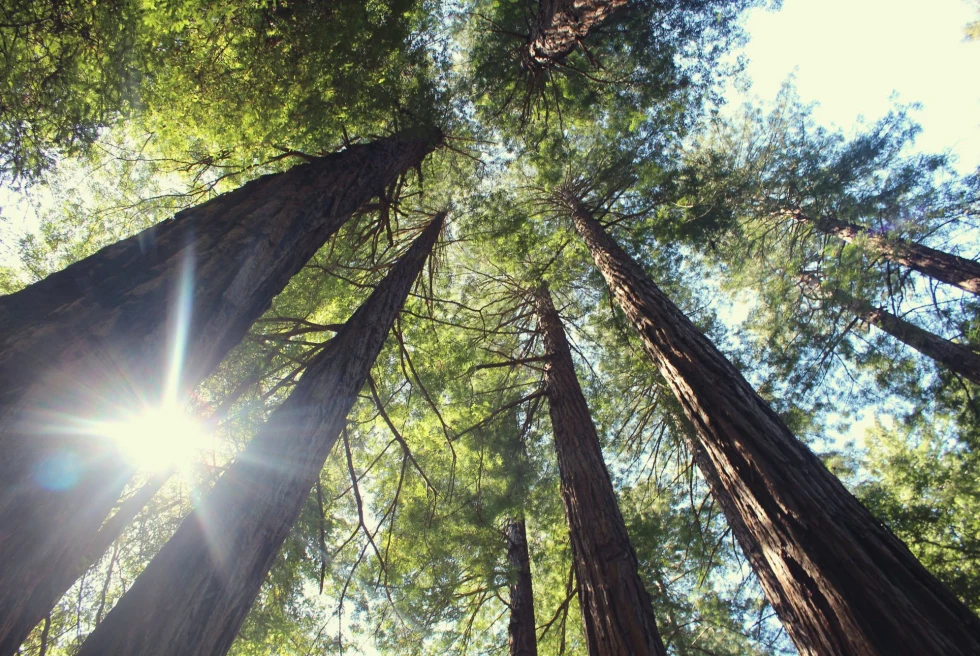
[(115, 115)]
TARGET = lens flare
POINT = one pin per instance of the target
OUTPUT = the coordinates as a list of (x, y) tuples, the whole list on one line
[(158, 438)]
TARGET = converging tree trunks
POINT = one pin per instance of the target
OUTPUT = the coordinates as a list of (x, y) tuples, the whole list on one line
[(194, 595), (142, 322)]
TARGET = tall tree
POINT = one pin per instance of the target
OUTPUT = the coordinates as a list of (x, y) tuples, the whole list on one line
[(955, 357), (92, 341), (521, 628), (839, 580), (615, 605), (944, 267), (194, 595)]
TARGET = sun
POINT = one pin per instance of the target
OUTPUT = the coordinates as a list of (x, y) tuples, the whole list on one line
[(158, 438)]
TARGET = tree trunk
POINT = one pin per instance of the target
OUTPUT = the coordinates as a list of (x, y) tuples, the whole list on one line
[(560, 27), (521, 629), (944, 267), (840, 581), (955, 357), (55, 582), (194, 595), (616, 608), (93, 340)]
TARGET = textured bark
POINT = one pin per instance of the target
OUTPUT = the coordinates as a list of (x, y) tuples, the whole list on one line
[(616, 608), (521, 629), (840, 581), (944, 267), (91, 340), (194, 595), (561, 26), (955, 357)]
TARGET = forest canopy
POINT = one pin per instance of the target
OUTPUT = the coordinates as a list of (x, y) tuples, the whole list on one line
[(423, 327)]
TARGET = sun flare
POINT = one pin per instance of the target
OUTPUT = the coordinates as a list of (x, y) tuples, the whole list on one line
[(158, 438)]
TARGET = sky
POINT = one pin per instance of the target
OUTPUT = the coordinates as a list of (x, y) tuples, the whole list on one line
[(851, 56), (856, 59)]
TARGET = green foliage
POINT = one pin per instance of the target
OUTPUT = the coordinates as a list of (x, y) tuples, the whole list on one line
[(68, 69), (925, 488), (121, 113), (655, 59), (218, 86)]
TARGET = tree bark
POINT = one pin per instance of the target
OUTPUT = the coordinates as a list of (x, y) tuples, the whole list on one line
[(616, 608), (944, 267), (94, 339), (955, 357), (840, 581), (560, 27), (522, 628), (194, 595)]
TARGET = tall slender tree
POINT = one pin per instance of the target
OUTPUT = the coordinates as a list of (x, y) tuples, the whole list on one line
[(955, 357), (840, 581), (944, 267), (616, 607), (521, 628), (194, 595), (93, 339)]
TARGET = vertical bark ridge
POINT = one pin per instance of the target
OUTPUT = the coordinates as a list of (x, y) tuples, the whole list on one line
[(94, 338), (944, 267), (194, 595), (839, 580), (616, 607), (560, 27), (955, 357), (521, 629)]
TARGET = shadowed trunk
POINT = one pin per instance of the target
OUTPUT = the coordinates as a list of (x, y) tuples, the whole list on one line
[(944, 267), (616, 608), (194, 595), (955, 357), (560, 27), (521, 629), (95, 340), (55, 582), (840, 581)]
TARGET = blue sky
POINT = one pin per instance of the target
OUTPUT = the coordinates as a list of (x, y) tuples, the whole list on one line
[(852, 55)]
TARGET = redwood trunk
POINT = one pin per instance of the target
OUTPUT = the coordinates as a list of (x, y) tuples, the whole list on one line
[(955, 357), (194, 595), (944, 267), (521, 629), (616, 608), (840, 581), (93, 340), (561, 26)]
